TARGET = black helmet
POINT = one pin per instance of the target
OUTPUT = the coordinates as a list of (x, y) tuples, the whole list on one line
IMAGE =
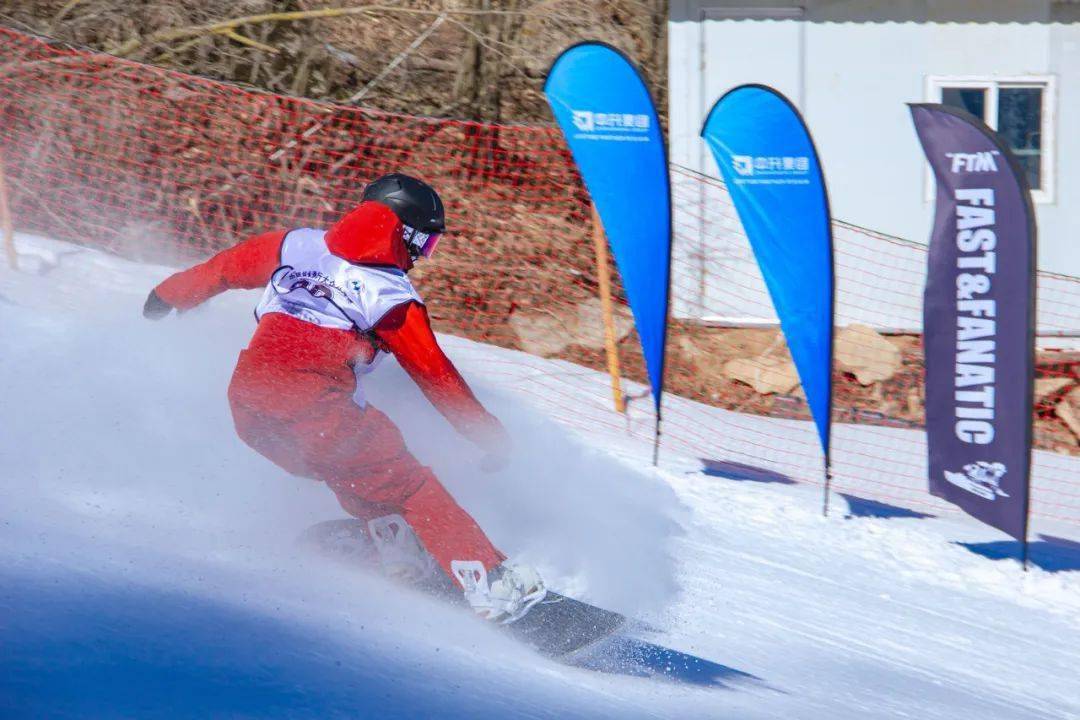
[(416, 203)]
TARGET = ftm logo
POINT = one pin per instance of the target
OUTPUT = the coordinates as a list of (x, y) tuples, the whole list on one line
[(974, 162)]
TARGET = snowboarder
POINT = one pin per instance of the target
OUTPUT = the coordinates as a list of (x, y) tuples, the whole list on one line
[(336, 302)]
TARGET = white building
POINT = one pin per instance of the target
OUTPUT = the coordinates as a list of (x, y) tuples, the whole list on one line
[(850, 67)]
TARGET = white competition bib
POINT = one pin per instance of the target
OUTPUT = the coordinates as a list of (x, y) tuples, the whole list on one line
[(318, 287)]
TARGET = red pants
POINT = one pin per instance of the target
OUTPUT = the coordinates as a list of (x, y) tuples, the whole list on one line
[(304, 420)]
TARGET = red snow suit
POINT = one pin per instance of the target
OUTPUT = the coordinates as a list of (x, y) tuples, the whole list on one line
[(292, 391)]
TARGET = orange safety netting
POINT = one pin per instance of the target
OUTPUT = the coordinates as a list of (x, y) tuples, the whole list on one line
[(158, 165)]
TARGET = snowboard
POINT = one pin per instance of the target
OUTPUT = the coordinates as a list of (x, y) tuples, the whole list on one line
[(559, 627)]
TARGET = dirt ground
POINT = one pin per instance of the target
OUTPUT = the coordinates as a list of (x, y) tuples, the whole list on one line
[(699, 355)]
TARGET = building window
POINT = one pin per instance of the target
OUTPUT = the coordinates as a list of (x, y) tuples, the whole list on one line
[(1020, 110)]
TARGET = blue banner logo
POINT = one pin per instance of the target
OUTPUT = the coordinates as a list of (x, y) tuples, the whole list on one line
[(608, 117), (772, 172)]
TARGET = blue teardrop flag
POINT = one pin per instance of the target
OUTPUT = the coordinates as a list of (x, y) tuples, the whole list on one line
[(773, 175), (608, 117)]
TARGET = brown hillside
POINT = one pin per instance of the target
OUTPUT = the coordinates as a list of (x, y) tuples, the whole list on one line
[(476, 59)]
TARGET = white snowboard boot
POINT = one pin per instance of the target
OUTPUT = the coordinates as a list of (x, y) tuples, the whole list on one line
[(401, 553), (505, 594)]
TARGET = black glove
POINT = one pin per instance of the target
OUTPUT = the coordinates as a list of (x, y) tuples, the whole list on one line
[(155, 308)]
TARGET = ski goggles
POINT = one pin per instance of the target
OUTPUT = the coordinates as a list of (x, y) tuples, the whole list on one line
[(420, 244)]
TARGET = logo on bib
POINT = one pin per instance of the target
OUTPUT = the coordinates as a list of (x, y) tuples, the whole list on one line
[(316, 289)]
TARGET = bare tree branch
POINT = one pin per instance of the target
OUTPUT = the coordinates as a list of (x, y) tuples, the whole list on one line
[(233, 35), (170, 34)]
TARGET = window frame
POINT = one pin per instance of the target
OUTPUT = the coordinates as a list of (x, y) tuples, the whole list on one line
[(993, 84)]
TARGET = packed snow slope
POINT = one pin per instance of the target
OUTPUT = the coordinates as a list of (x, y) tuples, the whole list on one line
[(148, 563)]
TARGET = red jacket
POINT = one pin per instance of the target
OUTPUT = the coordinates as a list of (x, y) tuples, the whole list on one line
[(368, 235)]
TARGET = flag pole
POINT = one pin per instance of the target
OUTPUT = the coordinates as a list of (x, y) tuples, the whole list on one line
[(656, 440), (1024, 554), (828, 483), (603, 276), (6, 225)]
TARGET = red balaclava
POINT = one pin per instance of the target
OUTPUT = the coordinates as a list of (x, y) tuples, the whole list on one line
[(369, 234)]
